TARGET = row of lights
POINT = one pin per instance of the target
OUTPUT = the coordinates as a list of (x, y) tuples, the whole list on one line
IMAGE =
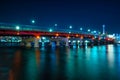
[(51, 30)]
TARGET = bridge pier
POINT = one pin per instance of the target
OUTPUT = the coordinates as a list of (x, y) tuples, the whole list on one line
[(57, 43), (36, 42), (67, 43), (28, 44)]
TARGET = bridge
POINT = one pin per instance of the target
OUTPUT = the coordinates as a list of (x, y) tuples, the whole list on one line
[(27, 35)]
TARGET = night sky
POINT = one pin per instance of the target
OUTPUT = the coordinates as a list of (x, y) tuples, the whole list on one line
[(78, 13)]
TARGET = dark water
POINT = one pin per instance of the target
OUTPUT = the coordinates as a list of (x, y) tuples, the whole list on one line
[(96, 63)]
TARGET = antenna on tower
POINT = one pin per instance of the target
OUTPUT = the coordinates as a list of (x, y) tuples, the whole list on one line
[(103, 28)]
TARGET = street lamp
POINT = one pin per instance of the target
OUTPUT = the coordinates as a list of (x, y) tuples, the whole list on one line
[(81, 29), (56, 24), (17, 27), (69, 32), (88, 30), (33, 21), (50, 30), (95, 31), (70, 27)]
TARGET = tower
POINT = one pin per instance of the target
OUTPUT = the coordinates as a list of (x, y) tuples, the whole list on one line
[(103, 28)]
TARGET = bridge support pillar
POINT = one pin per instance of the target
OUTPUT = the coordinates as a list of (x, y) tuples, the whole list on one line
[(58, 43), (28, 44), (66, 42), (36, 42)]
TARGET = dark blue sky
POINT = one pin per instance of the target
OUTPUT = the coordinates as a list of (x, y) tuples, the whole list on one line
[(79, 13)]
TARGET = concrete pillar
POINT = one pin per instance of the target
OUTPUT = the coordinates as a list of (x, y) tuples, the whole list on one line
[(36, 42), (28, 44), (66, 42), (81, 42), (58, 43)]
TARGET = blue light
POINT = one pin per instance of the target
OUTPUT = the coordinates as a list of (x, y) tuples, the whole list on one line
[(56, 25), (81, 29), (70, 27), (95, 31), (69, 32), (43, 37), (17, 27), (50, 30), (88, 30), (33, 21)]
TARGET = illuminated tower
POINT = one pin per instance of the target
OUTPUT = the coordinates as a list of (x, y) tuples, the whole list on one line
[(103, 28)]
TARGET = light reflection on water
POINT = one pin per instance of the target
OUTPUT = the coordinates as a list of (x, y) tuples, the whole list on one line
[(96, 63)]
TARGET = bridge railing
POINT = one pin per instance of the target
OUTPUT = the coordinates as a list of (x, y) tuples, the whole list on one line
[(39, 28)]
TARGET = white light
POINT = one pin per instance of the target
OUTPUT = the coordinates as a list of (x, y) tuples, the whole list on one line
[(56, 25), (86, 41), (111, 36), (70, 27), (50, 30), (74, 41), (43, 37), (33, 21), (17, 27), (78, 41), (69, 41), (69, 32), (81, 29), (95, 31), (88, 30)]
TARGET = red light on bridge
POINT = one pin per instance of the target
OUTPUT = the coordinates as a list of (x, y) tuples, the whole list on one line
[(57, 35), (18, 33), (93, 38), (77, 35), (68, 37), (81, 37), (38, 37)]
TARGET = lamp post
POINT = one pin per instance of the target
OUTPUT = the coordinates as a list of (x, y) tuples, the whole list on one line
[(33, 21), (88, 30), (17, 28), (50, 30), (70, 27)]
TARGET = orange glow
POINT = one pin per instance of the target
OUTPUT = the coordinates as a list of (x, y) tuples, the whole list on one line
[(18, 33), (57, 34), (99, 38), (93, 38), (77, 35), (37, 37), (68, 37), (81, 37), (11, 75)]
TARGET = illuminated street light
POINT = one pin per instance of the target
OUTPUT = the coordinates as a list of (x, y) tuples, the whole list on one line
[(33, 21), (56, 24), (88, 30), (17, 27), (81, 29), (50, 30), (70, 27), (95, 31)]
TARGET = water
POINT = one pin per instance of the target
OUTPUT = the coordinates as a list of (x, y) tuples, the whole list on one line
[(96, 63)]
